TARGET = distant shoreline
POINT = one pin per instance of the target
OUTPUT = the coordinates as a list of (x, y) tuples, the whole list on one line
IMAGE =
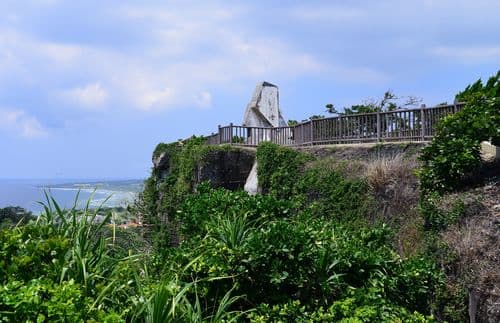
[(28, 193)]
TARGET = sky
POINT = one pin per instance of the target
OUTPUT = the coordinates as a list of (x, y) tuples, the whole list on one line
[(89, 87)]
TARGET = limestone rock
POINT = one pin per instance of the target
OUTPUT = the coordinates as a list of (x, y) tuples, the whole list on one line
[(227, 169), (252, 182), (161, 164), (161, 161)]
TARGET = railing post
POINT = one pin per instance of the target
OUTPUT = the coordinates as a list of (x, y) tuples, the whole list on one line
[(219, 141), (340, 136), (231, 133), (312, 132), (378, 126), (422, 122)]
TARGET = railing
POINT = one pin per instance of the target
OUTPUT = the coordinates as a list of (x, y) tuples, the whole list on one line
[(392, 126)]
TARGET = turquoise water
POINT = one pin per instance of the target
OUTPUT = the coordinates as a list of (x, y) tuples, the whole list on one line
[(27, 193)]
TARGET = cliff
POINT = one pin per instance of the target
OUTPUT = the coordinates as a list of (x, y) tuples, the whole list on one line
[(380, 175)]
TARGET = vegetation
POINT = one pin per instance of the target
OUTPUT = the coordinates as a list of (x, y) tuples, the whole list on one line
[(452, 220), (295, 252), (389, 102), (454, 153), (12, 215)]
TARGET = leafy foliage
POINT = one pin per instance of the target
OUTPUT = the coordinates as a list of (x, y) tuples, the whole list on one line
[(327, 193), (291, 262), (288, 174), (162, 196), (278, 168), (436, 217), (60, 268), (389, 102), (455, 150), (13, 215)]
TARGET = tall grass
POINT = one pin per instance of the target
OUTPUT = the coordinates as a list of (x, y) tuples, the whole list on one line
[(113, 284), (394, 185), (86, 258), (170, 302), (232, 229)]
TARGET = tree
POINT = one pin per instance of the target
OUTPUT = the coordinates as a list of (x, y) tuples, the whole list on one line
[(12, 215), (389, 102), (331, 109)]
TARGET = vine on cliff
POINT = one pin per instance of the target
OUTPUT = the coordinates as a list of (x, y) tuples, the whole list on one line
[(286, 173)]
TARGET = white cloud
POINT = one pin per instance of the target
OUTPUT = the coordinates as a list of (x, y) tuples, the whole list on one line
[(63, 54), (89, 96), (31, 60), (155, 98), (189, 52), (186, 52), (472, 55), (21, 124)]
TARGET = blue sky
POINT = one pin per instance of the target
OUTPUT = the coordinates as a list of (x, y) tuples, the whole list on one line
[(88, 88)]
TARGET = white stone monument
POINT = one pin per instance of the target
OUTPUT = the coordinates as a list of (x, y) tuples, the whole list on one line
[(263, 111), (264, 108)]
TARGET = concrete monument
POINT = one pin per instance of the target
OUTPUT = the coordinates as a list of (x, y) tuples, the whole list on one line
[(263, 111), (264, 108)]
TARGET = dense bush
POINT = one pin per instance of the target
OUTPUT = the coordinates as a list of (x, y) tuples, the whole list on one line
[(455, 150), (12, 215), (449, 161), (327, 193), (287, 260), (438, 217), (278, 169), (288, 174), (59, 268), (164, 193)]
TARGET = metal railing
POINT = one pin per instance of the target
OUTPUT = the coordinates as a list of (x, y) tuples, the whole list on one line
[(392, 126)]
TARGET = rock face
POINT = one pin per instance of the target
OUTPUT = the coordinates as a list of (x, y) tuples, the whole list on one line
[(489, 152), (264, 108), (162, 164), (222, 167), (227, 169), (252, 182)]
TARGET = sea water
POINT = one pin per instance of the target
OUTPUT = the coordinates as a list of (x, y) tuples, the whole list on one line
[(28, 193)]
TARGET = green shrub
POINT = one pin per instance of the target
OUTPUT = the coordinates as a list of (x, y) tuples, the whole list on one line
[(288, 174), (454, 152), (60, 268), (278, 259), (329, 194), (42, 300), (278, 169), (437, 217), (451, 303), (199, 209), (12, 215)]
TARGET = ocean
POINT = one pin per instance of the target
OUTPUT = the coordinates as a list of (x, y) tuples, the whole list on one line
[(27, 193)]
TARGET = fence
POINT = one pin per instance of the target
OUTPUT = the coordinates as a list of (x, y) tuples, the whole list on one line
[(391, 126)]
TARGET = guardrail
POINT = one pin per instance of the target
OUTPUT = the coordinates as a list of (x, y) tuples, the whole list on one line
[(392, 126)]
